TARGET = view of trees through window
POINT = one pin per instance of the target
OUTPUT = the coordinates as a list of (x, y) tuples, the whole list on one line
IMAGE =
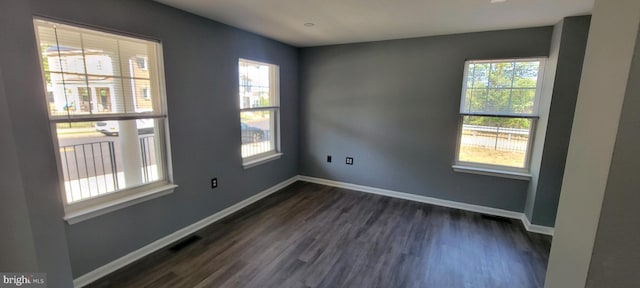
[(498, 111)]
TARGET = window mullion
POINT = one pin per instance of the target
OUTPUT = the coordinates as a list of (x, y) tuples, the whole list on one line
[(259, 108), (500, 115), (513, 79), (122, 85), (473, 77), (64, 85), (103, 117), (86, 77)]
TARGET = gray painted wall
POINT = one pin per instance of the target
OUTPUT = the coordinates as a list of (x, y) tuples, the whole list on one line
[(16, 247), (603, 86), (200, 58), (616, 254), (544, 106), (393, 106), (36, 177), (573, 43)]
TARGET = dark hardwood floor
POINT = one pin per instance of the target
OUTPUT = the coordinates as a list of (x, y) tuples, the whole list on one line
[(310, 235)]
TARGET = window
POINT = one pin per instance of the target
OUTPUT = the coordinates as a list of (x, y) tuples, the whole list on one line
[(111, 147), (85, 98), (142, 62), (259, 111), (145, 93), (498, 113)]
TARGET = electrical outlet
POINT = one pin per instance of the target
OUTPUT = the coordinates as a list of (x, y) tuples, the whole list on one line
[(329, 158), (349, 160), (214, 183)]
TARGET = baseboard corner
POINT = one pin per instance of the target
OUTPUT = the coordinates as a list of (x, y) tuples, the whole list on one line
[(434, 201), (546, 230)]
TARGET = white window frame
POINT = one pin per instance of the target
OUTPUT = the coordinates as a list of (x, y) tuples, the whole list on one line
[(493, 169), (88, 208), (274, 87)]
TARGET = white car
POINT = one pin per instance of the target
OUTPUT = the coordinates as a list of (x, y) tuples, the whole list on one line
[(111, 128)]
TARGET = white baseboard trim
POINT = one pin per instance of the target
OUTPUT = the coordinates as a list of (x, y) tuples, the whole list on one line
[(175, 236), (180, 234), (435, 201), (535, 228)]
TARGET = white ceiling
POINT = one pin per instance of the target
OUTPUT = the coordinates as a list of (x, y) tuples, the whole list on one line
[(348, 21)]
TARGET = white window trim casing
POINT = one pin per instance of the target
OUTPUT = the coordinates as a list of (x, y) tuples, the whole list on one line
[(89, 208), (276, 153), (500, 170)]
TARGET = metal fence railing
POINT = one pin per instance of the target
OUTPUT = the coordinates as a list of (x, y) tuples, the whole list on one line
[(147, 149), (495, 129), (89, 168), (497, 138)]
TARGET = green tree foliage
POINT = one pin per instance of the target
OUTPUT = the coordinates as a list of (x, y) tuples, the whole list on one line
[(264, 99), (505, 88), (45, 62), (519, 123)]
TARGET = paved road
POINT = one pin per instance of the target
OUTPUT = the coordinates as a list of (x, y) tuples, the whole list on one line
[(262, 123)]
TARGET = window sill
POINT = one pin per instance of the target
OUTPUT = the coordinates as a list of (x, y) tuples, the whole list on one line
[(104, 208), (492, 172), (262, 160)]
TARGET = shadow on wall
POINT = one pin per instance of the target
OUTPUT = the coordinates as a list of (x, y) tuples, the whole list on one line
[(358, 124), (394, 107)]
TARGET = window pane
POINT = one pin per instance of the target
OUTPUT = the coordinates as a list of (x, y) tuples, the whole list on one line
[(509, 87), (98, 158), (257, 132), (522, 100), (498, 101), (143, 95), (526, 74), (255, 85), (67, 99), (479, 75), (62, 50), (495, 141), (476, 100), (115, 71), (501, 75), (101, 54)]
